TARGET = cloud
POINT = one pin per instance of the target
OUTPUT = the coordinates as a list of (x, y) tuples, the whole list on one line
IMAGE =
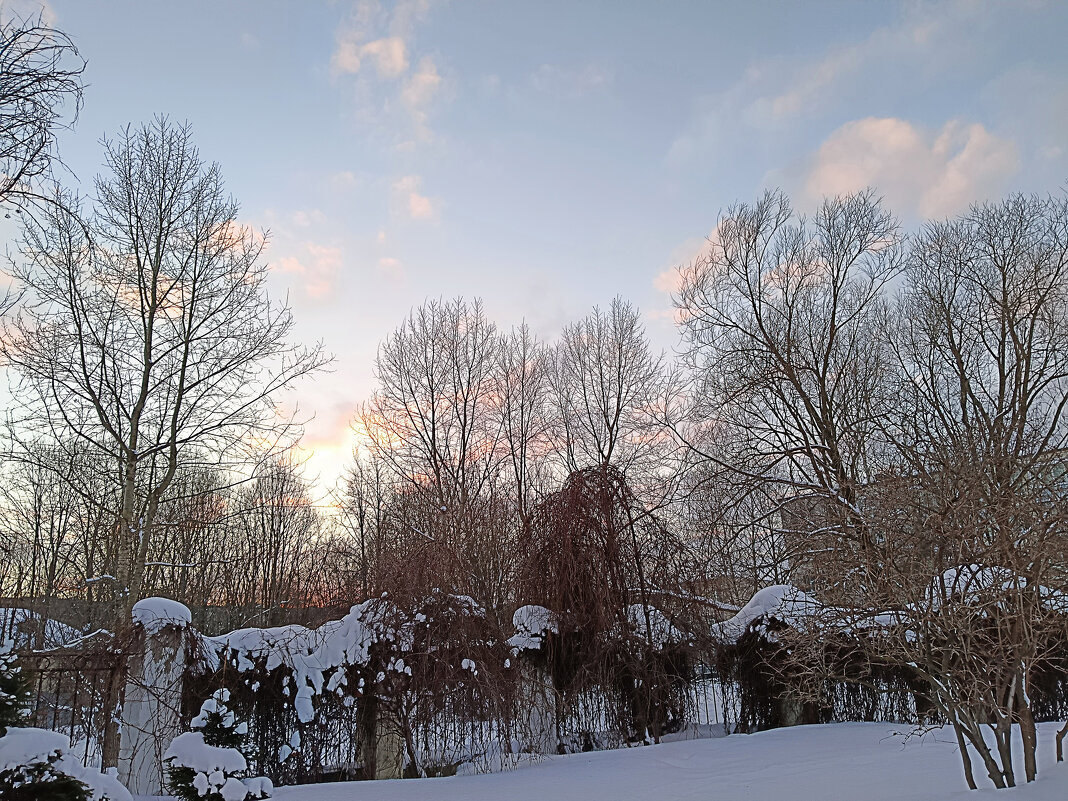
[(317, 268), (918, 172), (772, 96), (406, 194), (374, 45), (669, 280), (29, 9), (346, 179), (305, 218), (388, 55), (419, 90)]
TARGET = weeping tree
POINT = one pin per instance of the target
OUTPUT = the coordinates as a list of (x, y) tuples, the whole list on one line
[(584, 556)]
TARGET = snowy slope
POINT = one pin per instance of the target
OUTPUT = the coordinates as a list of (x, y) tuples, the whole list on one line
[(839, 762)]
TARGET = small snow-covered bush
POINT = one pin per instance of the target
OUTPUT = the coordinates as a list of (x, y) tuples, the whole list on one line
[(35, 765), (206, 764)]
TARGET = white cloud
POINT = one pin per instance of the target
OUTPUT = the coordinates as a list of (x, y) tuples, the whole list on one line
[(419, 91), (773, 95), (918, 172), (305, 218), (346, 58), (29, 9), (345, 179), (390, 266), (374, 45)]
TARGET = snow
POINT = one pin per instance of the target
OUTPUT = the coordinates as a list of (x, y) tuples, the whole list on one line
[(29, 746), (661, 630), (780, 601), (315, 658), (532, 623), (155, 614), (978, 584), (18, 623), (259, 787), (188, 750), (837, 762)]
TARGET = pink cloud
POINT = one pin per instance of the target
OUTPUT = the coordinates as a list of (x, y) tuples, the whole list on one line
[(417, 205), (929, 174), (317, 268)]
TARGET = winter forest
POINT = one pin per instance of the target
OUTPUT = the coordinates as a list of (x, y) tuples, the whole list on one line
[(841, 499)]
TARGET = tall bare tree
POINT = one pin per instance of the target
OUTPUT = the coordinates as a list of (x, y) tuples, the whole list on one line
[(524, 411), (606, 382), (981, 431), (147, 333), (782, 320)]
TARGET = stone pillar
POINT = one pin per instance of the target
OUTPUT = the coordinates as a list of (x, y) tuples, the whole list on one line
[(538, 698), (791, 709), (151, 711), (389, 748)]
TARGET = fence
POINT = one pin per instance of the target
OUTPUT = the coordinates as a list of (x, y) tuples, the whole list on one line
[(385, 692), (71, 692)]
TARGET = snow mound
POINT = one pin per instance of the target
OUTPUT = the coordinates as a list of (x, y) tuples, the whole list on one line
[(661, 631), (188, 750), (532, 623), (22, 747), (976, 585), (833, 762), (308, 654), (780, 601), (155, 614)]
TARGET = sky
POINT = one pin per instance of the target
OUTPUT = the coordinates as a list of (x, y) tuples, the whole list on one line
[(547, 156)]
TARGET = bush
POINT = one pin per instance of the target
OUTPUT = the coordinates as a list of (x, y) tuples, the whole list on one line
[(206, 764)]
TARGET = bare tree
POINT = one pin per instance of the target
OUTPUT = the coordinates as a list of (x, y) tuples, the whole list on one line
[(982, 342), (965, 577), (782, 319), (431, 416), (280, 525), (606, 382), (364, 503), (524, 410), (147, 333), (435, 422)]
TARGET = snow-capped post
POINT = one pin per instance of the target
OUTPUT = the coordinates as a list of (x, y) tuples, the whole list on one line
[(533, 624), (151, 709)]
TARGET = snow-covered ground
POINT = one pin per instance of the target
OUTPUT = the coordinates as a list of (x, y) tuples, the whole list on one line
[(840, 762)]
